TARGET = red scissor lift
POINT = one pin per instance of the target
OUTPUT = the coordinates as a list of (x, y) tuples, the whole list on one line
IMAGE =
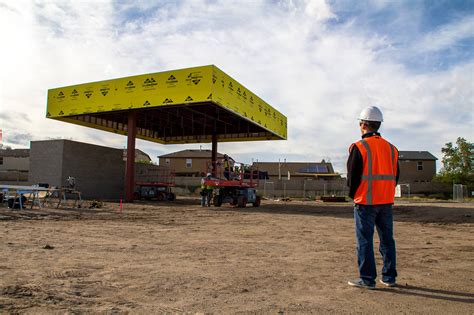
[(154, 183), (238, 188)]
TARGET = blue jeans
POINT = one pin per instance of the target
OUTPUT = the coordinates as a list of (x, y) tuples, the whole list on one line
[(206, 198), (380, 216)]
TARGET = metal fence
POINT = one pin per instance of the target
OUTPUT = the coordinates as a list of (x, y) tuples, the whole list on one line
[(302, 188), (315, 188)]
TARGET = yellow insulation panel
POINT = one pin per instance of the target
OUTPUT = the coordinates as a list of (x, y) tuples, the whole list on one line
[(230, 94), (141, 91), (161, 90)]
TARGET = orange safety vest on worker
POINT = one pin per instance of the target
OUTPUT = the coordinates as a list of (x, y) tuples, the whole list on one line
[(380, 160)]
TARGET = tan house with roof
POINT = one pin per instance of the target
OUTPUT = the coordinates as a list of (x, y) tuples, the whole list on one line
[(188, 162), (416, 166)]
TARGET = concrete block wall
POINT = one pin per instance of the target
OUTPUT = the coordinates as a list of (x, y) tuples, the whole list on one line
[(46, 162), (99, 171)]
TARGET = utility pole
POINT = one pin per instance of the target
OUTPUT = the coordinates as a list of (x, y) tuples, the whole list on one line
[(279, 168)]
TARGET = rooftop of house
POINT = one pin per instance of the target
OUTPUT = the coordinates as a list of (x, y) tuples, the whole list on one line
[(190, 154), (416, 155)]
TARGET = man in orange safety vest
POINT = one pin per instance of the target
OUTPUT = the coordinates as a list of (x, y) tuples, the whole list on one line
[(372, 175)]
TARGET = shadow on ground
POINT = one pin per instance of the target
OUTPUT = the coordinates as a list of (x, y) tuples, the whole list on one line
[(402, 213), (436, 294), (149, 210)]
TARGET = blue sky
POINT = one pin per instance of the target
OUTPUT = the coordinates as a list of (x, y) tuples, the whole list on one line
[(407, 22), (318, 62)]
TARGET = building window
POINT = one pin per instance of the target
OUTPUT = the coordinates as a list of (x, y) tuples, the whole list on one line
[(1, 160), (189, 163), (419, 166), (167, 161)]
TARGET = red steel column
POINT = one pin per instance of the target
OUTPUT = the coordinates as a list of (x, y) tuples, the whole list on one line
[(130, 167), (214, 155)]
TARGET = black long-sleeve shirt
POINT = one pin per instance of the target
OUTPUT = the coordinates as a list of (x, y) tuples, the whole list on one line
[(355, 165)]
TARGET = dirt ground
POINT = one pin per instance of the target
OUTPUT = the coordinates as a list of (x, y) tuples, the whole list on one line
[(281, 258)]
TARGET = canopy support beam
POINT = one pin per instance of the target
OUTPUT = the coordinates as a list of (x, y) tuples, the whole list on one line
[(214, 155), (130, 166)]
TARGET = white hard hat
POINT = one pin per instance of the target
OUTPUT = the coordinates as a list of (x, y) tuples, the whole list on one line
[(209, 174), (371, 113)]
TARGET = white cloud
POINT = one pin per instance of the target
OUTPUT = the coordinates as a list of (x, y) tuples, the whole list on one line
[(320, 77), (319, 9), (447, 36)]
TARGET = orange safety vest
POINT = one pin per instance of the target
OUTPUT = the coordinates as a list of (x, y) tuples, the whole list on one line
[(380, 159)]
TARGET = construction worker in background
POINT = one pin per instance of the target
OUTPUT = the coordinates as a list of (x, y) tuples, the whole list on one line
[(372, 175), (206, 191), (228, 166)]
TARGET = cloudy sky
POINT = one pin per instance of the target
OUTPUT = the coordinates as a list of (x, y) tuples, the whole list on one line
[(318, 62)]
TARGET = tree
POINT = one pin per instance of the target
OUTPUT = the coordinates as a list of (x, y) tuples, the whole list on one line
[(457, 163)]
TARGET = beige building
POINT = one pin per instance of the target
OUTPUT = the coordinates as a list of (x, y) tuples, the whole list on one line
[(416, 166), (188, 162), (14, 165), (14, 159)]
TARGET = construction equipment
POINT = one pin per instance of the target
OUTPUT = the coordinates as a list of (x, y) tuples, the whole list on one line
[(156, 191), (154, 183), (238, 188)]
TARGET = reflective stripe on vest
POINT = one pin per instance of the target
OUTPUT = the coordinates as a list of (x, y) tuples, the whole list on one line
[(383, 184)]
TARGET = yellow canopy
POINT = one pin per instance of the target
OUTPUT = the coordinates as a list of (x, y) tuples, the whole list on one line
[(178, 106)]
